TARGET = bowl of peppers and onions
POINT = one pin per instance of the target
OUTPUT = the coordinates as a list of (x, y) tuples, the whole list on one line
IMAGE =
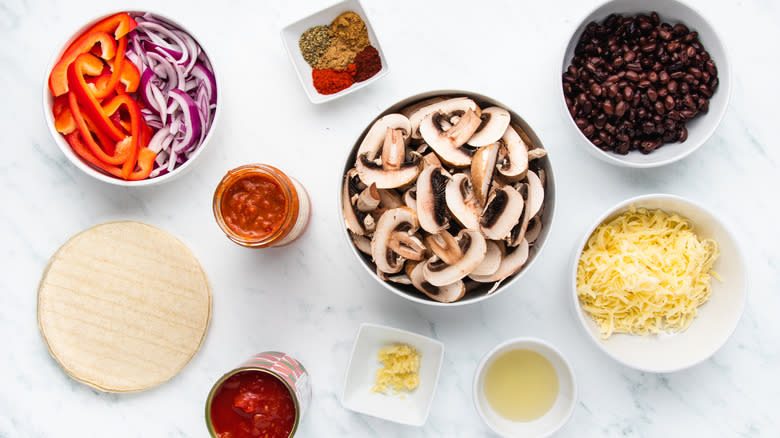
[(131, 99)]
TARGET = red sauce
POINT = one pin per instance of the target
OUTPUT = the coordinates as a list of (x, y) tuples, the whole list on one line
[(253, 404), (254, 206)]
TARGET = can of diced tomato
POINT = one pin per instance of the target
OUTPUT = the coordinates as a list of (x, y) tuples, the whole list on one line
[(266, 396)]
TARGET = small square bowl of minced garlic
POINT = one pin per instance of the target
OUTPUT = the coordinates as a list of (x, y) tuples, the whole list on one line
[(392, 374), (334, 51)]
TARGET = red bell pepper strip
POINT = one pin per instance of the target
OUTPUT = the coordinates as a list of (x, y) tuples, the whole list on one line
[(145, 159), (136, 120), (64, 122), (116, 70), (87, 63), (119, 157), (59, 104), (58, 79)]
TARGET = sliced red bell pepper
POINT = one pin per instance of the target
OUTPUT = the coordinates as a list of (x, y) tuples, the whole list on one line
[(116, 70), (145, 159), (58, 79), (64, 121), (119, 156), (87, 63), (117, 25), (59, 104)]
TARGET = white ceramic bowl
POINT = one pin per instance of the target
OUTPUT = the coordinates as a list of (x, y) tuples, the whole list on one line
[(408, 291), (701, 128), (717, 318), (413, 407), (547, 424), (87, 168), (292, 33)]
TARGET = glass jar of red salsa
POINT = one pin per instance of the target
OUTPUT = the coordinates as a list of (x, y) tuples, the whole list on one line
[(258, 206)]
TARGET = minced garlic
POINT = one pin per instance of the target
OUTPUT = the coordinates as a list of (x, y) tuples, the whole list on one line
[(399, 372)]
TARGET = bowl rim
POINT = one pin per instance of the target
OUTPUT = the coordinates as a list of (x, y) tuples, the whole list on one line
[(422, 299), (531, 343), (67, 150), (427, 339), (315, 97), (619, 160), (614, 209)]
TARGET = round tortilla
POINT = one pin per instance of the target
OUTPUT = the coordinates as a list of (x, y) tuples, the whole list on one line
[(123, 306)]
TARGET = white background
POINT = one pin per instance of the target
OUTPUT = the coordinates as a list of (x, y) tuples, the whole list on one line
[(308, 299)]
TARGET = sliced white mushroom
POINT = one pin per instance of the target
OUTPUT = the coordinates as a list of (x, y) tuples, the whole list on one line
[(375, 137), (483, 165), (473, 249), (400, 278), (494, 121), (353, 218), (393, 167), (512, 156), (406, 245), (368, 200), (362, 243), (536, 153), (502, 212), (511, 262), (390, 199), (401, 219), (410, 197), (461, 201), (444, 246), (534, 229), (448, 144), (535, 194), (418, 112), (445, 294), (431, 202), (369, 223), (492, 259)]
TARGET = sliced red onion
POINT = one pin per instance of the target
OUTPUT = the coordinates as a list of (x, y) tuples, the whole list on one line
[(191, 122), (177, 86)]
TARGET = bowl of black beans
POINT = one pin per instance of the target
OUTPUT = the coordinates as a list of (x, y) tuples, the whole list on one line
[(645, 83)]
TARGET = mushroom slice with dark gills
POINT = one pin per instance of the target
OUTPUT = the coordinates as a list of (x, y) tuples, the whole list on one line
[(362, 243), (511, 262), (512, 156), (448, 128), (431, 199), (400, 278), (382, 158), (494, 121), (392, 225), (454, 258), (419, 111), (354, 219), (533, 193), (483, 165), (444, 294), (502, 212), (461, 201)]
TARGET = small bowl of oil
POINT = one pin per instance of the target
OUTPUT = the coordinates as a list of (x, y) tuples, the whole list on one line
[(524, 387)]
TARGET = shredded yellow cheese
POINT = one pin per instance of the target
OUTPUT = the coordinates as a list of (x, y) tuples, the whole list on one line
[(400, 364), (645, 272)]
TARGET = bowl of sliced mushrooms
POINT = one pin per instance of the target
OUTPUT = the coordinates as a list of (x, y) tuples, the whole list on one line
[(447, 198)]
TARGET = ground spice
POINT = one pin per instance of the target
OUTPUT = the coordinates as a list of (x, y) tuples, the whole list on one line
[(313, 43), (367, 64), (351, 29), (338, 56), (330, 81)]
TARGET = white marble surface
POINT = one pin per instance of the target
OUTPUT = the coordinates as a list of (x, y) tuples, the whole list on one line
[(308, 299)]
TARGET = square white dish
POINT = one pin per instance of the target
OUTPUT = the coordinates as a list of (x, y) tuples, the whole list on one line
[(410, 408), (292, 33)]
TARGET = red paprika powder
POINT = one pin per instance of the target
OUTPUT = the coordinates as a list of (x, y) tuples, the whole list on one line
[(367, 64), (332, 81)]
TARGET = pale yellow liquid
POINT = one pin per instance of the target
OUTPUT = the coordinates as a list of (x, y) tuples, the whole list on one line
[(521, 385)]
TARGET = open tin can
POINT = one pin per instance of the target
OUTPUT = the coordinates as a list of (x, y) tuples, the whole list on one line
[(286, 369)]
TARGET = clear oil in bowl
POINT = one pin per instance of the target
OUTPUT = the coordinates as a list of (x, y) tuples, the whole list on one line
[(521, 385)]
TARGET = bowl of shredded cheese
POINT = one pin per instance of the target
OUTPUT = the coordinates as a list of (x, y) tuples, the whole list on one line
[(658, 283)]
